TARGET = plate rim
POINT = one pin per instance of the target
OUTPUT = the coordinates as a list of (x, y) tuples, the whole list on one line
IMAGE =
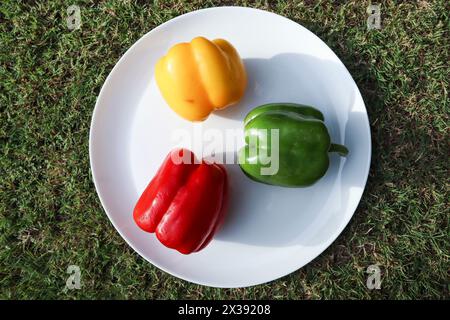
[(103, 202)]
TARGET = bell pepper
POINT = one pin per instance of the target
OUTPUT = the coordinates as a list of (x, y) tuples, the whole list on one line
[(303, 144), (185, 203), (201, 76)]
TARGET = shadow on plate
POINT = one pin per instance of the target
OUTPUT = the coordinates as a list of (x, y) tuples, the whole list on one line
[(321, 208)]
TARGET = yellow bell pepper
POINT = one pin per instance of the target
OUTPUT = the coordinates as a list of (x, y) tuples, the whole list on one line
[(201, 76)]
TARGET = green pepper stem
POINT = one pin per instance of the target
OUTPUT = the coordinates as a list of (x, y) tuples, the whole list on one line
[(339, 148)]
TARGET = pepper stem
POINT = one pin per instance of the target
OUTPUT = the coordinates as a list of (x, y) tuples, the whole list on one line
[(339, 148)]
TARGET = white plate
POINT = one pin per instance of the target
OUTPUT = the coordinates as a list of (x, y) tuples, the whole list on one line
[(270, 231)]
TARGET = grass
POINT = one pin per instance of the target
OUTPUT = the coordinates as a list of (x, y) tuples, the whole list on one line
[(50, 216)]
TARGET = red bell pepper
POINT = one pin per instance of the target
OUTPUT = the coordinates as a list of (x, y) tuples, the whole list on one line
[(184, 203)]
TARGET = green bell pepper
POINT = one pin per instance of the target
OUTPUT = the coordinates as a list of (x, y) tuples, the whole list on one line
[(300, 145)]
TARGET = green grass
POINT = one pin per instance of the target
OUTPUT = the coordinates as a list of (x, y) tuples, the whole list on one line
[(50, 216)]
